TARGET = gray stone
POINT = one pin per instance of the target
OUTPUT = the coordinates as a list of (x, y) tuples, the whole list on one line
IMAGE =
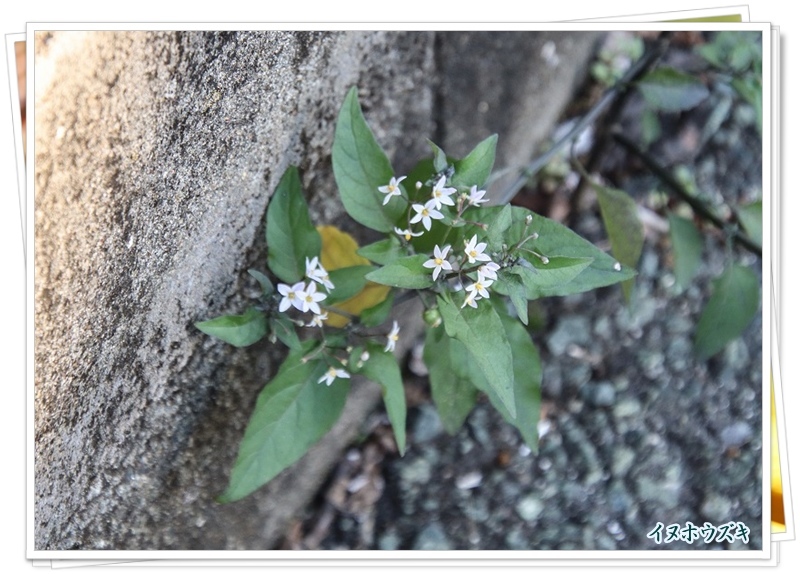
[(417, 472), (716, 508), (427, 424), (744, 114), (551, 379), (627, 408), (600, 394), (602, 327), (622, 461), (663, 490), (568, 330), (736, 354), (389, 541), (577, 374), (648, 266), (620, 499), (736, 434), (530, 507), (432, 537), (477, 509), (652, 363), (516, 539), (480, 427)]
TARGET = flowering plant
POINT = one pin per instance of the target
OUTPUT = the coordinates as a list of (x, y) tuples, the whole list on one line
[(473, 267)]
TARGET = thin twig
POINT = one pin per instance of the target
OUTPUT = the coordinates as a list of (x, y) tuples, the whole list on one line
[(699, 207), (609, 96)]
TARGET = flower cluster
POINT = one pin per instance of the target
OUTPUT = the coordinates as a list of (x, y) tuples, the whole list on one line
[(304, 297), (429, 210), (474, 253), (426, 212)]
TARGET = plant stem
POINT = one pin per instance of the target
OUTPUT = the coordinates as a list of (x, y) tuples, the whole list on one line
[(609, 96), (697, 205)]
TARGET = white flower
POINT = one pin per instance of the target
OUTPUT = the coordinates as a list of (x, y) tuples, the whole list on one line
[(392, 189), (426, 213), (439, 261), (392, 337), (441, 195), (311, 267), (316, 272), (489, 270), (317, 320), (406, 233), (479, 287), (470, 300), (310, 299), (292, 296), (474, 250), (333, 373), (476, 196)]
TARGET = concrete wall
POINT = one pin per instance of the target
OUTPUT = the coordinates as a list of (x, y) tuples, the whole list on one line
[(156, 154)]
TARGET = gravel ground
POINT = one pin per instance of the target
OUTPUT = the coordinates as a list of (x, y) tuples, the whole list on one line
[(634, 429)]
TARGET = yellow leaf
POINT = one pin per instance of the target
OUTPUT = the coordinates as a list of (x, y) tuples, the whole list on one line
[(339, 250)]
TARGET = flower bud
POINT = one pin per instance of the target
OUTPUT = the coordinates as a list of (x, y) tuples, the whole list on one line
[(432, 317), (365, 356)]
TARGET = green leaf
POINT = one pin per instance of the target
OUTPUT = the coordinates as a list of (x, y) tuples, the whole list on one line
[(484, 336), (750, 89), (440, 162), (421, 172), (266, 285), (527, 383), (497, 226), (406, 273), (283, 329), (477, 166), (750, 217), (383, 252), (382, 368), (291, 414), (348, 282), (555, 241), (539, 278), (651, 127), (360, 167), (238, 330), (669, 90), (450, 369), (621, 220), (729, 310), (291, 237), (511, 284), (687, 247), (376, 315)]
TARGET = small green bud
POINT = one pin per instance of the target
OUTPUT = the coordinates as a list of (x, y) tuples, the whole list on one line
[(432, 317)]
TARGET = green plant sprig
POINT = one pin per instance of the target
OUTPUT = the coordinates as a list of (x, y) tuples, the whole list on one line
[(452, 252)]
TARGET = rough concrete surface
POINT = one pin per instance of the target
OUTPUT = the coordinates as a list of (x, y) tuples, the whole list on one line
[(155, 157)]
